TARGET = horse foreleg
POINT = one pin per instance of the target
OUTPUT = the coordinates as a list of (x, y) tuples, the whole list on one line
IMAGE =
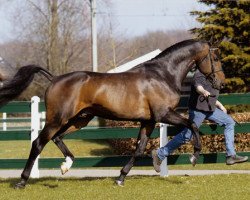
[(174, 118), (143, 137)]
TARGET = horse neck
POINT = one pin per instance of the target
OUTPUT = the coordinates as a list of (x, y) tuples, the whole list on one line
[(178, 68), (182, 69), (181, 61)]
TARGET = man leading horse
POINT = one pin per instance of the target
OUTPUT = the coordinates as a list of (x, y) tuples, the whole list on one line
[(203, 104)]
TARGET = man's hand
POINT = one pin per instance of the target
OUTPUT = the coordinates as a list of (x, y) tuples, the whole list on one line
[(206, 93), (223, 109), (220, 106)]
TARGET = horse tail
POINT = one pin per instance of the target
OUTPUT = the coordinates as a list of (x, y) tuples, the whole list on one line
[(21, 80)]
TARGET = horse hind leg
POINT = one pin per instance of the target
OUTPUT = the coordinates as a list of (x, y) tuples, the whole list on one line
[(197, 145), (69, 157), (37, 147), (73, 125), (142, 140)]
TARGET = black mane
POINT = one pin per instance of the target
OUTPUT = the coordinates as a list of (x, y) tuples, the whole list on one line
[(177, 46)]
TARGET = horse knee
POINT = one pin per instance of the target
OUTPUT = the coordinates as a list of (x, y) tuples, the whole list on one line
[(138, 154), (56, 140), (37, 146)]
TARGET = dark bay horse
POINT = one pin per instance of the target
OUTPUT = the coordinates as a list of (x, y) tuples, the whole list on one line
[(147, 93)]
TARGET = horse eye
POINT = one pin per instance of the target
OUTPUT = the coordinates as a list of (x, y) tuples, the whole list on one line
[(216, 59)]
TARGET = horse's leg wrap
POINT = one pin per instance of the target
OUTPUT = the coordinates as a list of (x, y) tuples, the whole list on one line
[(65, 166)]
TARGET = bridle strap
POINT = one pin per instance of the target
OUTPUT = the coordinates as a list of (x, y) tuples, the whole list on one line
[(201, 61), (208, 75), (197, 64), (212, 64)]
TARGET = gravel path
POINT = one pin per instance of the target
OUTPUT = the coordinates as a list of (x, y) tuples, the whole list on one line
[(114, 173)]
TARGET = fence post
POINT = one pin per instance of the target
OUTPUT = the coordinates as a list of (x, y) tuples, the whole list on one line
[(35, 126), (4, 123), (163, 142)]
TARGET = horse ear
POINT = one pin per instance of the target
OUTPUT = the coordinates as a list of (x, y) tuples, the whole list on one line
[(210, 41), (215, 42)]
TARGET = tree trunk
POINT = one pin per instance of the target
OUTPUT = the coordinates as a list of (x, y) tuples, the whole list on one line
[(53, 51)]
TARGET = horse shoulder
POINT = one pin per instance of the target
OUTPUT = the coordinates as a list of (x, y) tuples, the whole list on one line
[(161, 97)]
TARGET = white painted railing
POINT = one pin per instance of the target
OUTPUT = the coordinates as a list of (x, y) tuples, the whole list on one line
[(35, 127), (163, 142)]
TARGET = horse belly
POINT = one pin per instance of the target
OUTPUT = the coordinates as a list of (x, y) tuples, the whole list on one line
[(129, 107), (118, 102)]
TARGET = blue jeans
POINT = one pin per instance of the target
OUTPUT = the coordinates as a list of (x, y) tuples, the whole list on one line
[(198, 117)]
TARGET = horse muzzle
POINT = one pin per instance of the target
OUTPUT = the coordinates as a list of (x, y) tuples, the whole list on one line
[(216, 84)]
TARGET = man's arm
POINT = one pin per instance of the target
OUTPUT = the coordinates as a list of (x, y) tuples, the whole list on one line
[(205, 93), (202, 91), (220, 106)]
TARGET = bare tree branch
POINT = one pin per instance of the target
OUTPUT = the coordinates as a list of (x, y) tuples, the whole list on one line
[(39, 9)]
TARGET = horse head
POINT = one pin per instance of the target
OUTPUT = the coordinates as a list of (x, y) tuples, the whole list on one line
[(210, 65)]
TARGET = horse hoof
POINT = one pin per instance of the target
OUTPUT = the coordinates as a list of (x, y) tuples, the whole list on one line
[(20, 185), (64, 168), (119, 183), (193, 160)]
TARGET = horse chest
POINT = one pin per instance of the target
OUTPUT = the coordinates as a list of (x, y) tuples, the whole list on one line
[(161, 105)]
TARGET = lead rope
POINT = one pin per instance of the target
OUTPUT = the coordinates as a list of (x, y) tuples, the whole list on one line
[(203, 98)]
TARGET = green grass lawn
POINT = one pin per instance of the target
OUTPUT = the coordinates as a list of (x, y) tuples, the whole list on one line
[(214, 187), (210, 187), (21, 149)]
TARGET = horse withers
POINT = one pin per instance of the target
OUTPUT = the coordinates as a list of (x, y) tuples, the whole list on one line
[(147, 93)]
